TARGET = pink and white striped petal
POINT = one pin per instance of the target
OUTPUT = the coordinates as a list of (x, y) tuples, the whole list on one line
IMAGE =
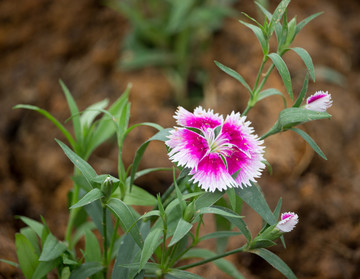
[(320, 101), (187, 147), (200, 119), (247, 155), (288, 222), (211, 174)]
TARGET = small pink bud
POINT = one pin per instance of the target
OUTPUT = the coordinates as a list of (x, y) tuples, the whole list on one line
[(320, 101), (288, 222)]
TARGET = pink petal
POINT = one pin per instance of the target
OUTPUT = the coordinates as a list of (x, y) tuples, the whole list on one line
[(247, 155), (200, 119), (212, 174), (187, 146), (288, 222), (320, 101)]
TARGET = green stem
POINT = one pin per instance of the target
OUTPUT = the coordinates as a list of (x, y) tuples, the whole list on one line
[(105, 252), (113, 238), (73, 213), (211, 259), (265, 58)]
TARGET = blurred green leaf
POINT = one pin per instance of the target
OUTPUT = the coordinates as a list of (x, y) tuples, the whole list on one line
[(138, 196), (86, 270), (310, 141), (306, 21), (150, 244), (88, 172), (219, 234), (181, 274), (278, 13), (14, 264), (126, 218), (275, 261), (52, 249), (89, 114), (208, 199), (92, 248), (51, 118), (181, 230), (303, 91), (271, 92), (283, 71), (222, 264), (44, 268), (90, 197), (304, 55), (28, 260), (74, 111), (233, 74), (256, 200), (35, 225), (259, 35), (162, 136)]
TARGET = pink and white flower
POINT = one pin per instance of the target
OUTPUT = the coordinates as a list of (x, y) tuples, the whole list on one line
[(287, 222), (320, 101), (214, 149)]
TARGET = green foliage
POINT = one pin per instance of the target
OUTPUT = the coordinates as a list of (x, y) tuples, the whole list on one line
[(171, 35), (153, 245)]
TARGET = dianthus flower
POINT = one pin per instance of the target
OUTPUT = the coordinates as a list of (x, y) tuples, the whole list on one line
[(287, 222), (214, 149), (320, 101)]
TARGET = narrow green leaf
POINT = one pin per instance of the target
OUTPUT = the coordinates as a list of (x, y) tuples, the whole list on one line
[(306, 21), (14, 264), (35, 225), (310, 141), (106, 127), (259, 35), (222, 264), (305, 56), (44, 268), (161, 135), (90, 197), (65, 132), (264, 11), (238, 222), (65, 273), (233, 74), (219, 234), (181, 274), (128, 253), (139, 196), (74, 111), (92, 248), (87, 117), (275, 261), (292, 116), (271, 92), (150, 244), (86, 270), (278, 13), (28, 260), (181, 230), (256, 200), (283, 71), (208, 199), (301, 96), (52, 249), (32, 237), (85, 168), (126, 218), (216, 210)]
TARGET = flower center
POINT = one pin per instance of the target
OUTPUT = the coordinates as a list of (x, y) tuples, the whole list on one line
[(217, 144)]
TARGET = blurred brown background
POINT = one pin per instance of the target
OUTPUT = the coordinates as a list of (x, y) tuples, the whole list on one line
[(79, 42)]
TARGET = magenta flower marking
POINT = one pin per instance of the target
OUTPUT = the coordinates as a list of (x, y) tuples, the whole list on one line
[(215, 149), (287, 222), (320, 101)]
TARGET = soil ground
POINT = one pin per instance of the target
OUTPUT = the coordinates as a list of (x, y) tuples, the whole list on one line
[(79, 42)]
